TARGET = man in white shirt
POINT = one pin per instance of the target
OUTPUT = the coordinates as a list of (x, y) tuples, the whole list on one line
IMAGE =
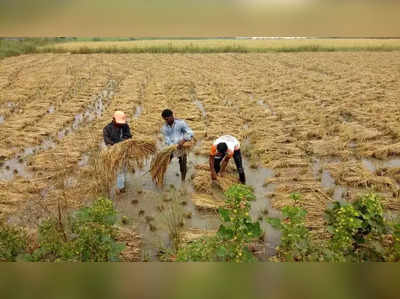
[(222, 150)]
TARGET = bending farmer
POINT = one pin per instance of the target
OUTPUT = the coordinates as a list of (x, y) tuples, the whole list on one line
[(224, 148), (176, 131), (116, 131)]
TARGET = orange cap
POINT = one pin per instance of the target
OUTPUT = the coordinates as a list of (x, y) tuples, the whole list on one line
[(120, 117)]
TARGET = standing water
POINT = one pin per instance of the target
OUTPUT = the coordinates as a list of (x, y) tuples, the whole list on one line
[(155, 213)]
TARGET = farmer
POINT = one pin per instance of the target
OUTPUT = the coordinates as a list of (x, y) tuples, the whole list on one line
[(176, 131), (222, 150), (116, 131)]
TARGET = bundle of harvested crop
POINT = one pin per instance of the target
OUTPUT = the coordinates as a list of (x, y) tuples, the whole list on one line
[(129, 154), (160, 162), (202, 180)]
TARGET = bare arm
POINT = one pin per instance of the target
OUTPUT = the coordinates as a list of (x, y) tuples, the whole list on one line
[(224, 164), (212, 169)]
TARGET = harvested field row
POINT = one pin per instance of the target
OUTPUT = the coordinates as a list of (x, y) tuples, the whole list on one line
[(287, 110)]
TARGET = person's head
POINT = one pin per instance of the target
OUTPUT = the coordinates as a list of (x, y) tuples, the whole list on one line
[(222, 148), (168, 116), (119, 118)]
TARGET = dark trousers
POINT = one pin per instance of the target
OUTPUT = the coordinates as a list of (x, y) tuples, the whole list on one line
[(182, 165), (237, 157)]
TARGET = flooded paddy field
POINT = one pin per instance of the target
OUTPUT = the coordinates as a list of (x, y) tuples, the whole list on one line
[(324, 125)]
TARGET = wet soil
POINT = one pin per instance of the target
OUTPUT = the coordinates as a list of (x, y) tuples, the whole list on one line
[(148, 207)]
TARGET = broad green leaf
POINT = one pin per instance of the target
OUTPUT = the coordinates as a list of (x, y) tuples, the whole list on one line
[(221, 251), (224, 213), (275, 222)]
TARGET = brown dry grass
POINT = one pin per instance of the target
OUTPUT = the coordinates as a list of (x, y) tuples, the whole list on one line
[(203, 183), (159, 164), (206, 202), (194, 234), (330, 106), (129, 154), (132, 242), (251, 44)]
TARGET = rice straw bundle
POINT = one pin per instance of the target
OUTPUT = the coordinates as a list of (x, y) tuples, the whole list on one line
[(194, 233), (203, 201), (160, 162), (129, 154), (202, 181)]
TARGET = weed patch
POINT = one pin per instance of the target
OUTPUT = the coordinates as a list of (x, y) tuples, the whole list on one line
[(357, 232), (88, 236)]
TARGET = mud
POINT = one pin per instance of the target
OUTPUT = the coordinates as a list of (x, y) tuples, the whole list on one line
[(12, 168), (143, 199), (201, 108), (147, 206), (138, 112), (327, 182), (18, 166), (373, 164)]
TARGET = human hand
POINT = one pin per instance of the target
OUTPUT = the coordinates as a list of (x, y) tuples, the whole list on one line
[(180, 143)]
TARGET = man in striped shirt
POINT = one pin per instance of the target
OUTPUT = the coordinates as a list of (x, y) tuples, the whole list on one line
[(222, 150)]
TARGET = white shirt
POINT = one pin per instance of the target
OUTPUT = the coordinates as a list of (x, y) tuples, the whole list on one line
[(232, 143)]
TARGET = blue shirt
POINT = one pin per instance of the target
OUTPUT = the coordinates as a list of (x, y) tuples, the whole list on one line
[(175, 133)]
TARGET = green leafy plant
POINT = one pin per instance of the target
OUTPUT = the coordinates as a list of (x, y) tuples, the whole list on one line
[(89, 236), (13, 242), (295, 196), (357, 229), (358, 232), (295, 240), (234, 234)]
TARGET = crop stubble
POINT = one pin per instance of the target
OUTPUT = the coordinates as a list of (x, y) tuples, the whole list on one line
[(292, 108)]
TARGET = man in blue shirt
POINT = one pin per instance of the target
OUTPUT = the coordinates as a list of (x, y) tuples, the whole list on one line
[(176, 131)]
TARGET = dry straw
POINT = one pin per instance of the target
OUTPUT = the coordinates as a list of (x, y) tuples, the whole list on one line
[(129, 154), (160, 162), (202, 181)]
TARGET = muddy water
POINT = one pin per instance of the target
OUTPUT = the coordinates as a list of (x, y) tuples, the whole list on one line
[(138, 112), (373, 164), (148, 208), (261, 208), (18, 166), (201, 108), (339, 192), (326, 179), (13, 167), (93, 111)]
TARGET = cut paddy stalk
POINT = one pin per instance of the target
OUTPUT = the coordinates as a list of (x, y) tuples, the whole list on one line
[(129, 154), (160, 162)]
